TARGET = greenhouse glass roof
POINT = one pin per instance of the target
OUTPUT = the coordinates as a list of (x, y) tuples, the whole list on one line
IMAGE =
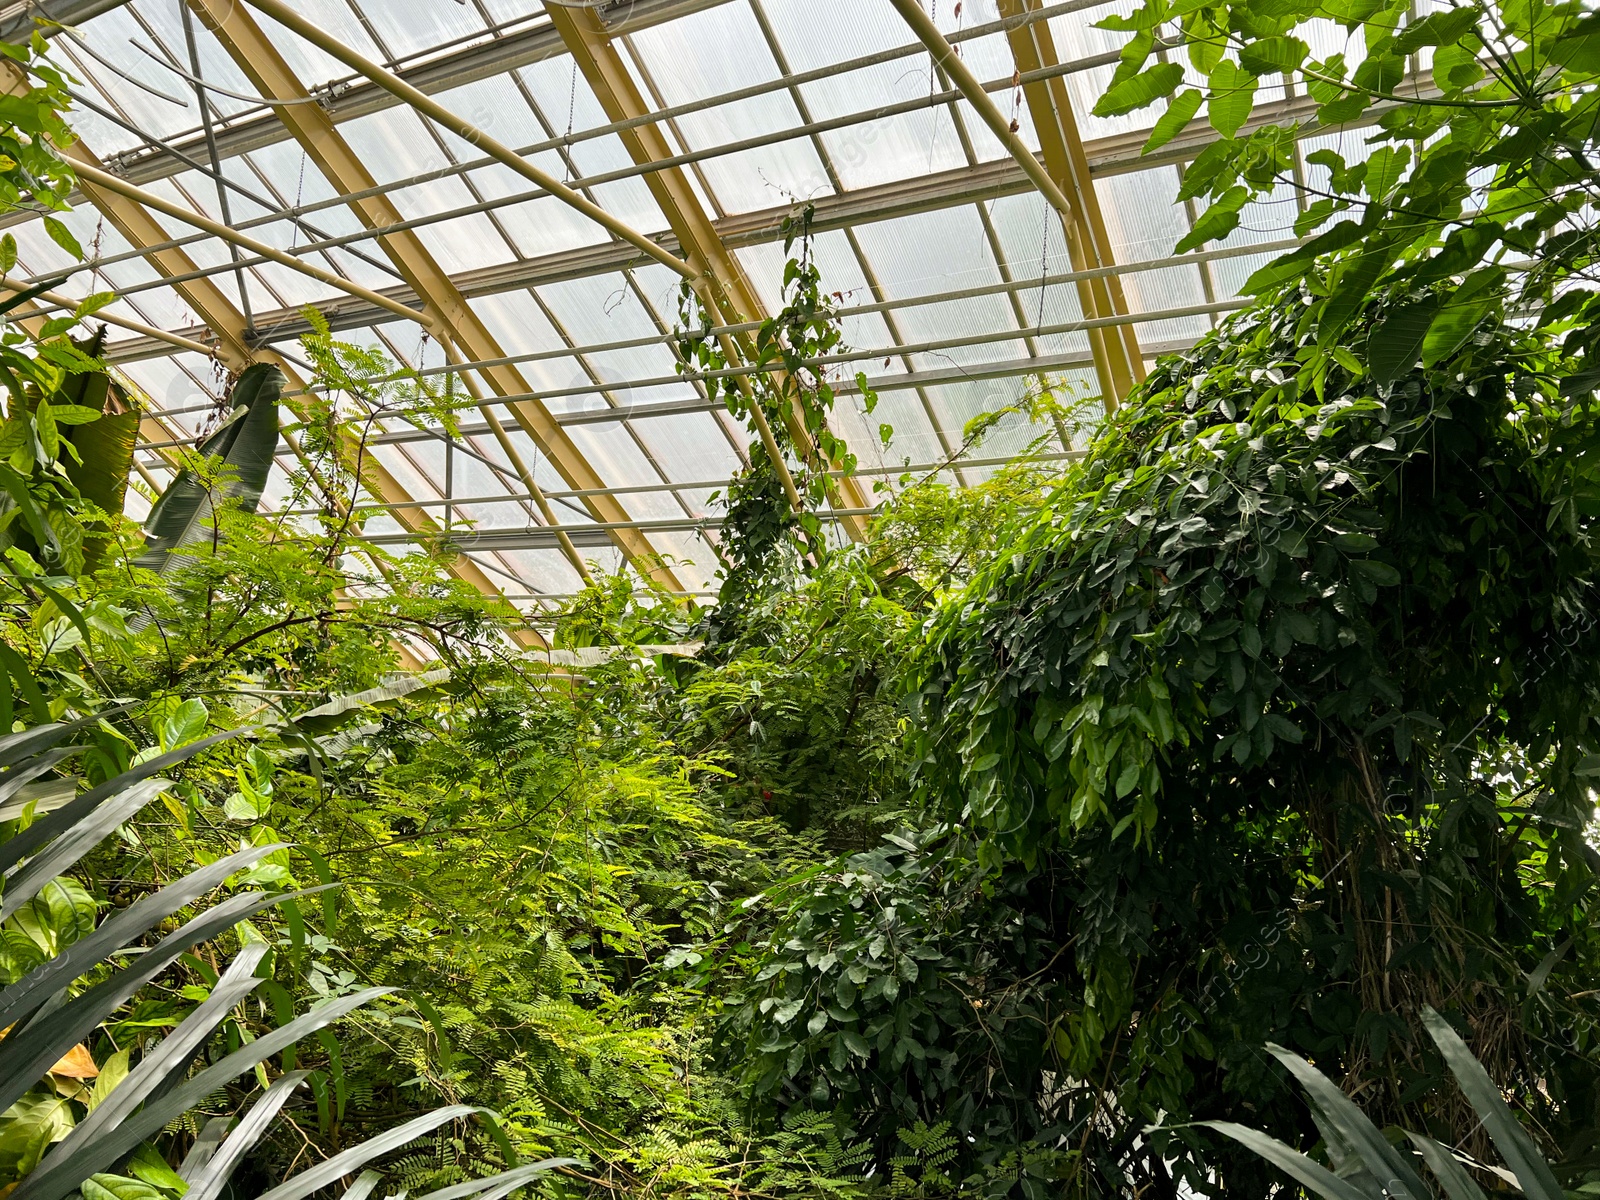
[(700, 124)]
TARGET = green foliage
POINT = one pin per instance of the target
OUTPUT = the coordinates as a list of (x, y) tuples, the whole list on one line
[(904, 986), (1481, 126), (33, 175), (1366, 1166), (770, 534), (59, 1133), (230, 469), (1292, 649)]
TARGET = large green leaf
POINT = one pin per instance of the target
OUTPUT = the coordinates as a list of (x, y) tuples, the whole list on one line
[(1381, 1159), (1292, 1163), (1395, 343), (1143, 89), (104, 447), (1458, 1185), (243, 449), (1510, 1138), (209, 1175), (1232, 96)]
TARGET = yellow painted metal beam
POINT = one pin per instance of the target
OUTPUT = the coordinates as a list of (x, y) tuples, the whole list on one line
[(134, 222), (1116, 350), (719, 278), (452, 318), (1066, 193), (423, 103)]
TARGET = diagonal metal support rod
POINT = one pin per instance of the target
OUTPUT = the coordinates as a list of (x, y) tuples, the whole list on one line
[(107, 181), (451, 318), (1113, 366), (501, 153)]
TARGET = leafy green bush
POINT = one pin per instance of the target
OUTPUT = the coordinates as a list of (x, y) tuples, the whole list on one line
[(1298, 671), (1366, 1165)]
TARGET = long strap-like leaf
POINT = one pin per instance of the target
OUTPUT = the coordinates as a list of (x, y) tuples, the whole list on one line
[(115, 933), (15, 747), (174, 1050), (204, 1148), (67, 849), (14, 780), (513, 1178), (41, 831), (1458, 1185), (24, 1060), (207, 1184), (1292, 1163), (59, 1181), (326, 1172), (1387, 1165), (1510, 1138)]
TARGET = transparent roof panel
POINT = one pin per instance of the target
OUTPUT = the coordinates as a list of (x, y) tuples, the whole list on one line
[(928, 220), (412, 27)]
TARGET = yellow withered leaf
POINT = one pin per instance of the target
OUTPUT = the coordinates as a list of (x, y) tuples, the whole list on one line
[(76, 1063)]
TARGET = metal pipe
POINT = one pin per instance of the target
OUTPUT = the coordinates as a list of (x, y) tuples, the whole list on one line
[(150, 331), (509, 449), (945, 56), (976, 372), (122, 187), (503, 154)]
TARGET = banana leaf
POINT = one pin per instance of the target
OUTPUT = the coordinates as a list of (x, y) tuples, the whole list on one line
[(185, 513), (105, 447)]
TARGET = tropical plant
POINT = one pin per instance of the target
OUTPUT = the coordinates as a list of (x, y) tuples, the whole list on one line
[(1296, 672), (1367, 1165), (60, 1134), (230, 468), (96, 454), (1473, 183)]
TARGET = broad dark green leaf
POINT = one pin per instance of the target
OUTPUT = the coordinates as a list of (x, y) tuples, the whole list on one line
[(183, 514), (1171, 123), (1232, 95), (1218, 221), (1436, 29), (1451, 328), (1510, 1138), (1395, 343), (1273, 55)]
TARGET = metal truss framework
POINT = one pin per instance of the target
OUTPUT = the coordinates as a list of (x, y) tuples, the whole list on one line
[(393, 263), (261, 62)]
